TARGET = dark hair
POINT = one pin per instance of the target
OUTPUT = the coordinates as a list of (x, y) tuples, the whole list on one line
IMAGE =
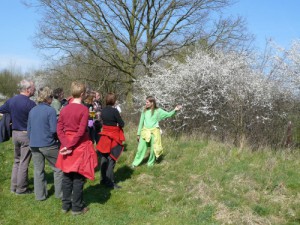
[(57, 92), (154, 106), (110, 99)]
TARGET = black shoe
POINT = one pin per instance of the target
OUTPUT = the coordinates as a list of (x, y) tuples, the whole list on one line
[(102, 182), (25, 192), (116, 186), (83, 211), (64, 211), (113, 186)]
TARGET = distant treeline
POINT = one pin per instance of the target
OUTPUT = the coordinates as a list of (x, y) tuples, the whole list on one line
[(9, 83)]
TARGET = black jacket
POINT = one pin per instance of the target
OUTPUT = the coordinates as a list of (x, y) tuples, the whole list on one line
[(111, 117), (5, 127)]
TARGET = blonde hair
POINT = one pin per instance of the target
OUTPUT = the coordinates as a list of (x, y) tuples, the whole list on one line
[(44, 94), (77, 88)]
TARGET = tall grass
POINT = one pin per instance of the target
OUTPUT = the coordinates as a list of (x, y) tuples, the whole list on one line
[(197, 181)]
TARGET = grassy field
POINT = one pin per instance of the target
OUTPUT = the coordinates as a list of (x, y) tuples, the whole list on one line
[(196, 182)]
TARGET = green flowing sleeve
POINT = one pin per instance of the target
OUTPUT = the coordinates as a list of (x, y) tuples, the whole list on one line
[(141, 123), (162, 114)]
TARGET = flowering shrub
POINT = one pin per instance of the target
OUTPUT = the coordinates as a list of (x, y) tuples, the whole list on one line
[(221, 94), (285, 66)]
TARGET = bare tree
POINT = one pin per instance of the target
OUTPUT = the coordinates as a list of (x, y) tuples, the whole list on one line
[(98, 77), (129, 33)]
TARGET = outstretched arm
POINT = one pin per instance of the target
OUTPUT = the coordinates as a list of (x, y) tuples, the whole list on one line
[(164, 114)]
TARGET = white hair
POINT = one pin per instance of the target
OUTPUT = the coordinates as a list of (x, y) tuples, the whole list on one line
[(24, 84)]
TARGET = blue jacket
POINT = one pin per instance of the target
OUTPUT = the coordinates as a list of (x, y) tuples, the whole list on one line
[(18, 107), (5, 127), (41, 126)]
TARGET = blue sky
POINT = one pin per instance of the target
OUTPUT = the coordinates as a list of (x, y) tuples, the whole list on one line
[(276, 19), (17, 25)]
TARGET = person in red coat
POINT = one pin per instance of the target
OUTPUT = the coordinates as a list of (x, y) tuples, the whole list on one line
[(77, 158), (111, 141)]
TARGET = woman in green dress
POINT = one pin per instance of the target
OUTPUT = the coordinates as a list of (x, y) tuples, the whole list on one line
[(149, 132)]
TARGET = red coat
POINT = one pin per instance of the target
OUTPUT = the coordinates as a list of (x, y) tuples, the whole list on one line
[(82, 160), (111, 141), (72, 133)]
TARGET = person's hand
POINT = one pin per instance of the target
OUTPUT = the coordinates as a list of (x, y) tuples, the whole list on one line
[(178, 107), (65, 151), (138, 138)]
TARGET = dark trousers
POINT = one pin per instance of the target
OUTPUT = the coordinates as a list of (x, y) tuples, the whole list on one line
[(91, 133), (94, 134), (107, 165), (97, 129), (72, 186)]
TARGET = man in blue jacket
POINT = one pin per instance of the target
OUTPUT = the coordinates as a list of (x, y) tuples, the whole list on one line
[(18, 107)]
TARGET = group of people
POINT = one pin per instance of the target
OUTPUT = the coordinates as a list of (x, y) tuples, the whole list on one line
[(64, 134)]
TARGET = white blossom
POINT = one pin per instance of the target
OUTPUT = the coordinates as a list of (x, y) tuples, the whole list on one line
[(224, 89)]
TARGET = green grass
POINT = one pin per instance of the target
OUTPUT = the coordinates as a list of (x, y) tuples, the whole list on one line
[(197, 182)]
